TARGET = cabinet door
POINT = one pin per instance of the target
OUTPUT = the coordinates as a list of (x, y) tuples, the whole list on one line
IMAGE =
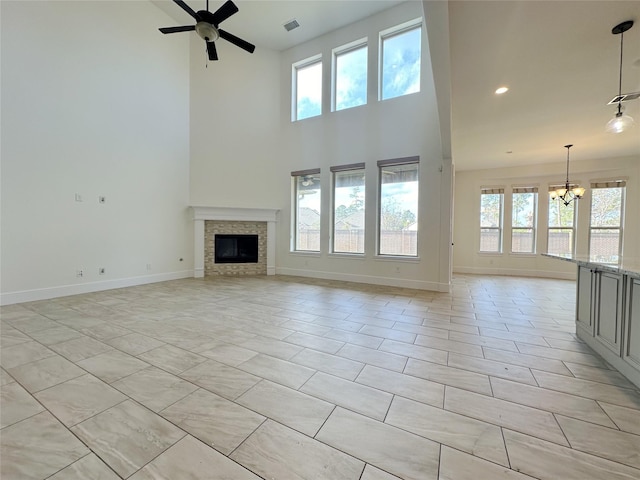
[(609, 309), (632, 329), (584, 317)]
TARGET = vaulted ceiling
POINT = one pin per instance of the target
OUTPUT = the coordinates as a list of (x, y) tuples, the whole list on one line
[(558, 58)]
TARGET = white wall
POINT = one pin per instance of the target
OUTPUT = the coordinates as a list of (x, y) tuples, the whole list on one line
[(244, 147), (466, 257), (400, 127), (235, 135), (95, 102)]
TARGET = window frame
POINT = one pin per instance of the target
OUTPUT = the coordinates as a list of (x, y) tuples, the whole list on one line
[(342, 50), (622, 184), (574, 222), (534, 220), (295, 209), (500, 227), (354, 167), (295, 67), (414, 160), (388, 33)]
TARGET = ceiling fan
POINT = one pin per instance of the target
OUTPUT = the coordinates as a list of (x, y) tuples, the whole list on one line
[(207, 27)]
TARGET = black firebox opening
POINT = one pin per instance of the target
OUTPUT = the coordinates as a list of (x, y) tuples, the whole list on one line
[(236, 249)]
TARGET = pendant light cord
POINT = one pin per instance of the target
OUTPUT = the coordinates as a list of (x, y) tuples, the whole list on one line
[(567, 183), (620, 80)]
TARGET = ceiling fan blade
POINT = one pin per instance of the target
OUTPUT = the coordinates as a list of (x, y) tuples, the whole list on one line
[(211, 50), (186, 28), (187, 9), (238, 42), (224, 12)]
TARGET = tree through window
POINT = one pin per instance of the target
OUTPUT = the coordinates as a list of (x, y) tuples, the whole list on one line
[(398, 216), (349, 208), (607, 215)]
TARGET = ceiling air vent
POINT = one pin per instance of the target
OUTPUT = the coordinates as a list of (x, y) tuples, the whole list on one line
[(624, 97), (291, 24)]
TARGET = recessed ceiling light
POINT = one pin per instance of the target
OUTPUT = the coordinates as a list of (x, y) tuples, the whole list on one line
[(502, 90)]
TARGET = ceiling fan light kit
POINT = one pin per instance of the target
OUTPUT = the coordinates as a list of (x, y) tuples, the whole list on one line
[(207, 27), (621, 121)]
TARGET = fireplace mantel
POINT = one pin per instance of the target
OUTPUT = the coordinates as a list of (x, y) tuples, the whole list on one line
[(200, 214)]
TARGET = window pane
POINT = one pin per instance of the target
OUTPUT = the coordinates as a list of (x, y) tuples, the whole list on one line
[(523, 209), (604, 245), (490, 240), (399, 210), (606, 207), (561, 215), (351, 78), (309, 90), (401, 63), (522, 240), (308, 213), (490, 209), (560, 241), (491, 222), (348, 217)]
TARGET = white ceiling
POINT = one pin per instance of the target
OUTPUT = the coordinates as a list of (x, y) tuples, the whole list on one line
[(560, 61), (558, 58), (261, 22)]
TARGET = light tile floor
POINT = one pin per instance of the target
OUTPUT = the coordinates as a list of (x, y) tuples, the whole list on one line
[(282, 377)]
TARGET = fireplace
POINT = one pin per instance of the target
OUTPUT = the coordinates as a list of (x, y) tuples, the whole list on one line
[(210, 222), (236, 248)]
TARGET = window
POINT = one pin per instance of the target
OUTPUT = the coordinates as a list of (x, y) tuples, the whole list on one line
[(350, 75), (307, 81), (306, 215), (400, 64), (398, 220), (561, 227), (605, 228), (491, 208), (523, 219), (348, 208)]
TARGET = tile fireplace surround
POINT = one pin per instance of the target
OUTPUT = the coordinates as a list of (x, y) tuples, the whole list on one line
[(201, 214)]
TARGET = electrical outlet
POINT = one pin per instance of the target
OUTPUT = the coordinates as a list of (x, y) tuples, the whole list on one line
[(78, 197), (79, 273), (148, 266), (101, 271)]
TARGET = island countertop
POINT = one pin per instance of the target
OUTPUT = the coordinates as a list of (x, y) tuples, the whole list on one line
[(625, 266)]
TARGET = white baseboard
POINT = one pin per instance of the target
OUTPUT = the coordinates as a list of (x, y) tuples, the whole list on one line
[(9, 298), (372, 280), (513, 272)]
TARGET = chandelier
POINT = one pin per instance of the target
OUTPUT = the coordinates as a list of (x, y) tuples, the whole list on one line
[(568, 193), (621, 121)]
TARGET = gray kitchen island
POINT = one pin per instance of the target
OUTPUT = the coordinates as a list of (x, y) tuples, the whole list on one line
[(608, 311)]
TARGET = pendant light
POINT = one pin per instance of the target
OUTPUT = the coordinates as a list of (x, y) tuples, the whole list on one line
[(568, 193), (621, 121)]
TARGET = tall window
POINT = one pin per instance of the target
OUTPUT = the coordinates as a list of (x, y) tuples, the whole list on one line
[(607, 218), (350, 75), (348, 208), (523, 219), (491, 208), (561, 227), (400, 66), (398, 220), (307, 81), (306, 215)]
